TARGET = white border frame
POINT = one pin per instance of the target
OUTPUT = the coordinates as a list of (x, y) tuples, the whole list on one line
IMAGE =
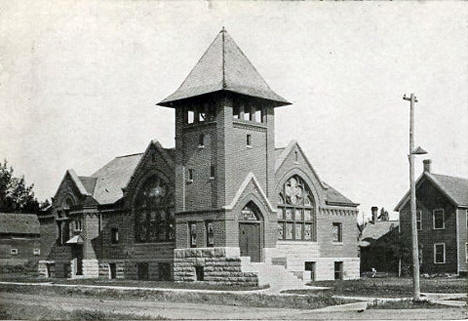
[(433, 219), (443, 244)]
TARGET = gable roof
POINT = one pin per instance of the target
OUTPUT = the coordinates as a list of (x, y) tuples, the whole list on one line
[(332, 196), (374, 231), (224, 67), (454, 188), (16, 223), (112, 177)]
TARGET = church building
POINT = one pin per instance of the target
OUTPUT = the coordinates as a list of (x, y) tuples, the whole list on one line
[(225, 205)]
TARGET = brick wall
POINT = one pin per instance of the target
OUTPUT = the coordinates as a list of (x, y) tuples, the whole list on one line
[(428, 199), (25, 247), (462, 239), (325, 220)]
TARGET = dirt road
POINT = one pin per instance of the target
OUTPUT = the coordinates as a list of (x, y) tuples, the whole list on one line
[(214, 312)]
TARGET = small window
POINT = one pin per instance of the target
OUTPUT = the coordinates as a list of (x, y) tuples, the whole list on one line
[(236, 112), (200, 273), (143, 271), (439, 253), (193, 234), (247, 113), (212, 171), (37, 251), (419, 220), (190, 175), (249, 140), (201, 140), (338, 270), (296, 156), (466, 252), (202, 113), (115, 235), (337, 232), (209, 234), (190, 117), (78, 227), (14, 251), (258, 115), (438, 218)]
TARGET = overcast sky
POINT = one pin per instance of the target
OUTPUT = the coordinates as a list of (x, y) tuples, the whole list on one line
[(79, 81)]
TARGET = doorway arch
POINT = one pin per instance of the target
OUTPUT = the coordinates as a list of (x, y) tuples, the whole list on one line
[(250, 232)]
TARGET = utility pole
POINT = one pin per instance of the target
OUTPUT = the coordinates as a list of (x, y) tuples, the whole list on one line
[(414, 231)]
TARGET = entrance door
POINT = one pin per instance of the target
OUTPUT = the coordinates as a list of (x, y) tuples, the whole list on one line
[(77, 252), (249, 240)]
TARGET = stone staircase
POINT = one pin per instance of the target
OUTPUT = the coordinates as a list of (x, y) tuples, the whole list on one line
[(274, 275)]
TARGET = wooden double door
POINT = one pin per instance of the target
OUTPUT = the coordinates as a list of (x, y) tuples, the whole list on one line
[(250, 240)]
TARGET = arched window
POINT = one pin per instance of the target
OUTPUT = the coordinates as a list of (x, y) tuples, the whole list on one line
[(296, 211), (154, 212), (250, 212)]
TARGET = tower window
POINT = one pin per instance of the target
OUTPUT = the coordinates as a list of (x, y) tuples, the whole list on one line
[(190, 174), (236, 112), (258, 115), (247, 113), (190, 116), (249, 140), (201, 140), (212, 171)]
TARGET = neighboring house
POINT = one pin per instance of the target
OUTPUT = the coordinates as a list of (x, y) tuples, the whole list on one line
[(442, 205), (19, 238), (378, 245), (223, 198)]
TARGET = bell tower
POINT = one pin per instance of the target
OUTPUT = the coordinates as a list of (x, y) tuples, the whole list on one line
[(224, 132)]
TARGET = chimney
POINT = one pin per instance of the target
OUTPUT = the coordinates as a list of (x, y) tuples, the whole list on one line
[(374, 210), (427, 165)]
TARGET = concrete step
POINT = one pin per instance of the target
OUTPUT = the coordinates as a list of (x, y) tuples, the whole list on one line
[(274, 275)]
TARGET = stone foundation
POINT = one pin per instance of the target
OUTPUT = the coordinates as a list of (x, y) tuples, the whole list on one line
[(219, 266)]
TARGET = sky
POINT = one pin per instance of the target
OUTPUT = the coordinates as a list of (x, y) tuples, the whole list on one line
[(79, 83)]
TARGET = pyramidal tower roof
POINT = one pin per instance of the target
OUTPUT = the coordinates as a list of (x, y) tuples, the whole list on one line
[(224, 67)]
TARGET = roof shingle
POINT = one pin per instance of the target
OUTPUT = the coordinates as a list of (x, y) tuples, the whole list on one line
[(224, 67)]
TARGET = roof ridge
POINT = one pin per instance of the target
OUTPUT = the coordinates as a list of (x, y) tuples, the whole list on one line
[(134, 154), (457, 177)]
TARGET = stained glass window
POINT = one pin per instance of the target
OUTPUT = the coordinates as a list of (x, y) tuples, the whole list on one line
[(296, 211), (154, 211)]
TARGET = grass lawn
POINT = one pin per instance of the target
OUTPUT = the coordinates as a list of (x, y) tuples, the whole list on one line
[(406, 304), (28, 312), (388, 287), (236, 299)]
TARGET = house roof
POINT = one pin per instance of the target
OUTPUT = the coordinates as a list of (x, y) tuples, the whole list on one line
[(114, 176), (374, 231), (333, 197), (16, 223), (224, 67), (454, 188)]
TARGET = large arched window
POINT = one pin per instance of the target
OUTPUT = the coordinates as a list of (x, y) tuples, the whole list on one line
[(296, 211), (154, 212)]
